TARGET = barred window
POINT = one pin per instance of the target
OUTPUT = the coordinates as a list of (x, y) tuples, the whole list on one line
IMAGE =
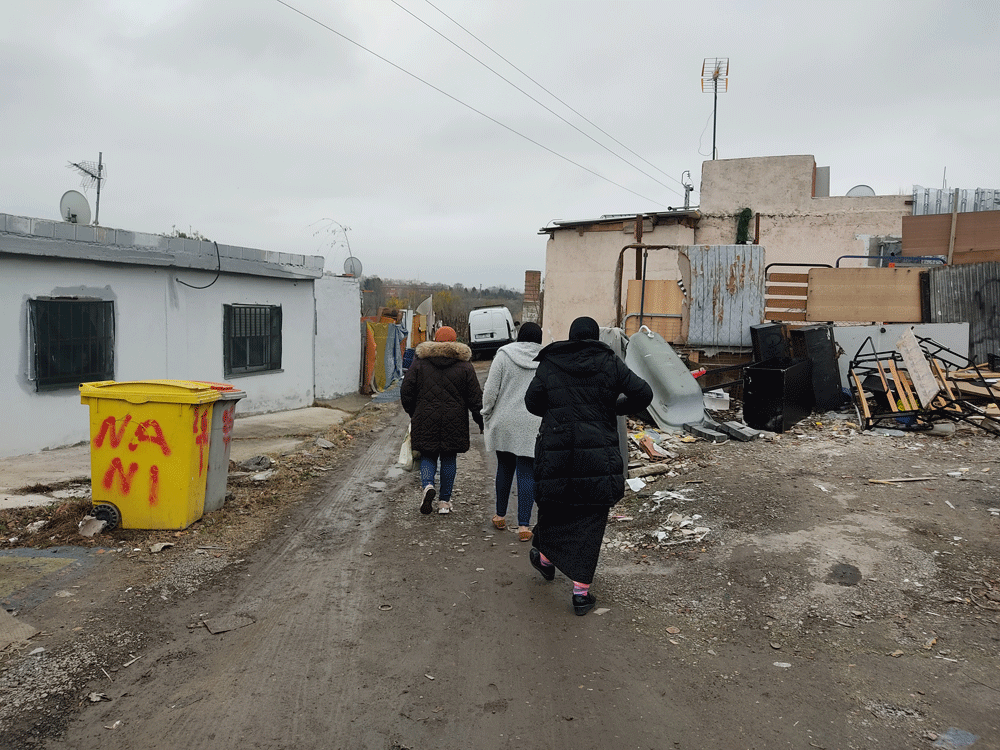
[(252, 338), (73, 341)]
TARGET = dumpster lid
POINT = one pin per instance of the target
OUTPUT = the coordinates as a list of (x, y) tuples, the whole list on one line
[(216, 386), (143, 391), (226, 391)]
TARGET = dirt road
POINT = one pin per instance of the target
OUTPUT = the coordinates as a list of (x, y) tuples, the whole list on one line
[(822, 610)]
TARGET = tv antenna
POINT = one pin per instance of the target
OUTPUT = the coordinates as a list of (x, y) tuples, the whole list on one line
[(715, 78), (688, 187), (92, 173), (73, 208)]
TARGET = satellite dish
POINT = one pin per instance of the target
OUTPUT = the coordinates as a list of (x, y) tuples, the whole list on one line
[(73, 207), (860, 191), (352, 266)]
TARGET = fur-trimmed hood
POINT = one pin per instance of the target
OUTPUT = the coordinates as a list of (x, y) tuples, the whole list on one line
[(447, 349)]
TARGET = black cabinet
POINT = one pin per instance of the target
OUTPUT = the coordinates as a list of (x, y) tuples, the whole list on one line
[(777, 393)]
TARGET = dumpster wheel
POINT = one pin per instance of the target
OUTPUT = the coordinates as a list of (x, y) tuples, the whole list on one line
[(108, 513)]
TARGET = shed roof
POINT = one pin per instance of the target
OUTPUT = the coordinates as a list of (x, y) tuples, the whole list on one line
[(21, 235), (657, 217)]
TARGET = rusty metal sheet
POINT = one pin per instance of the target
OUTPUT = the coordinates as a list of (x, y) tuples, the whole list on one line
[(727, 294), (969, 293)]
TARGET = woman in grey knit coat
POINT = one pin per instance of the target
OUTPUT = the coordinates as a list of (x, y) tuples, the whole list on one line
[(510, 428)]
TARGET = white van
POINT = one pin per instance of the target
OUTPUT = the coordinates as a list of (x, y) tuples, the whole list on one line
[(489, 329)]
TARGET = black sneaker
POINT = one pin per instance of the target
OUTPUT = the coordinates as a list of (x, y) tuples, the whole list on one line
[(583, 603), (548, 571), (425, 506)]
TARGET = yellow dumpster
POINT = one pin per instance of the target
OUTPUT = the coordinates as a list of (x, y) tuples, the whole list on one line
[(149, 446)]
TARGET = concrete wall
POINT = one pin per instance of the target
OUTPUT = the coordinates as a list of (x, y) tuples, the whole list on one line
[(580, 271), (794, 226), (338, 336), (162, 330)]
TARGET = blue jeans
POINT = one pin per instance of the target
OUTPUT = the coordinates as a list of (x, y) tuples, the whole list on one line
[(449, 467), (507, 465)]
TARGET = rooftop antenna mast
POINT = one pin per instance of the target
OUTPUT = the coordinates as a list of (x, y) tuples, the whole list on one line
[(688, 187), (715, 78), (92, 173)]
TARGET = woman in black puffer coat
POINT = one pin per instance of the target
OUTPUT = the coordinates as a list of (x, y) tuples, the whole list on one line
[(579, 389), (439, 391)]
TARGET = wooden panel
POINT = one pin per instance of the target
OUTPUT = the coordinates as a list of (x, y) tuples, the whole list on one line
[(787, 291), (918, 368), (788, 304), (794, 278), (768, 315), (975, 256), (977, 232), (661, 297), (885, 295)]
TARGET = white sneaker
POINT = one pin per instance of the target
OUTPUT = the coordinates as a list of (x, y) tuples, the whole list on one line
[(444, 508), (428, 498)]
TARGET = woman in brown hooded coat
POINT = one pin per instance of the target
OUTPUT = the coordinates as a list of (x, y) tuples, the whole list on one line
[(439, 391)]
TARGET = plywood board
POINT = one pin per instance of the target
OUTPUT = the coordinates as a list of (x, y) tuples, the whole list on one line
[(919, 370), (975, 232), (661, 297), (886, 295)]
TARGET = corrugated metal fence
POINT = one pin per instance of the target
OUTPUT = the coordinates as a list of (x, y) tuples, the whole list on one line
[(727, 294), (969, 293)]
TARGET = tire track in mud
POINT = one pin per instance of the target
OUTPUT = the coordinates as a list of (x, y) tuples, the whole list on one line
[(278, 682)]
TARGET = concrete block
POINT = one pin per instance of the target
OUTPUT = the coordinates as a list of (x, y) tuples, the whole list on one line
[(699, 430), (18, 224), (739, 431), (64, 231), (42, 228)]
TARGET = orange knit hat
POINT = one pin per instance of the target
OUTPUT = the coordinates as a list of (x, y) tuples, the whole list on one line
[(445, 333)]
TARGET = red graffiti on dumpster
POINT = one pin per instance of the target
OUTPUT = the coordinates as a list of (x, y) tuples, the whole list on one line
[(148, 431), (109, 426), (202, 434), (228, 422), (142, 436), (117, 469)]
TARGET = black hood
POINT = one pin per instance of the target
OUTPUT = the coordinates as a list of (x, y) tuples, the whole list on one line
[(576, 357)]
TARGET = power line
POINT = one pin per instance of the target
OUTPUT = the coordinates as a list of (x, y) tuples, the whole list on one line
[(536, 101), (459, 101), (570, 108)]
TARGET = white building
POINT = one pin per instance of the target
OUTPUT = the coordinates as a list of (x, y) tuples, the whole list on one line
[(80, 303)]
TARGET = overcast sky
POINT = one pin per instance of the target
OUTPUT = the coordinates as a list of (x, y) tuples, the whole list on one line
[(250, 123)]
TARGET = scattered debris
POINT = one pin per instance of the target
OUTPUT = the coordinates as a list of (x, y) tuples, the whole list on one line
[(635, 483), (257, 463), (323, 443), (91, 526), (901, 479), (955, 738), (160, 546), (263, 476), (113, 726), (226, 623), (97, 697)]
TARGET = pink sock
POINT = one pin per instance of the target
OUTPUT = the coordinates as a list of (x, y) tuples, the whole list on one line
[(581, 589), (545, 561)]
